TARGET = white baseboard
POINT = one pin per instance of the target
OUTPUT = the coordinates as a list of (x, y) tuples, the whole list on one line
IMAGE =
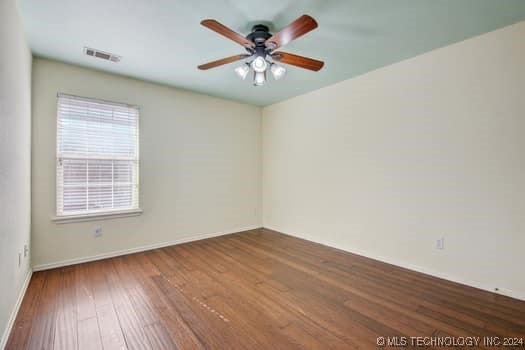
[(138, 249), (502, 291), (14, 312)]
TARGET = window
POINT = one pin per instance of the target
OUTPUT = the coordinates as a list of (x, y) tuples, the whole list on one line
[(97, 157)]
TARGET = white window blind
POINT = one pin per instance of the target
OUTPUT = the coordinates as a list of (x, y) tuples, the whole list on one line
[(97, 156)]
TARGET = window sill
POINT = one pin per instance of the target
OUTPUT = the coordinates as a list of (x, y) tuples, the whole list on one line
[(96, 216)]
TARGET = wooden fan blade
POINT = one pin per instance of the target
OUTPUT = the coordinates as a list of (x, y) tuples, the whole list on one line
[(297, 28), (299, 61), (227, 32), (222, 61)]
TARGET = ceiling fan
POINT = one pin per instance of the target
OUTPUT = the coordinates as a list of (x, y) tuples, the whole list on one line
[(261, 46)]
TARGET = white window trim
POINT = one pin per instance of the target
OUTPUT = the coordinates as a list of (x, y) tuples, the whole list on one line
[(107, 214)]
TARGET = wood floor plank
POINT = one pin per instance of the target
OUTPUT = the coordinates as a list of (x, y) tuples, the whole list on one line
[(209, 330), (42, 335), (85, 299), (251, 290), (110, 332), (225, 302), (98, 284), (89, 334), (66, 318), (279, 305), (179, 331), (131, 324), (159, 337)]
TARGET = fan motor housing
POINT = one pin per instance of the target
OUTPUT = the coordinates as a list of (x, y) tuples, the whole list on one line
[(260, 33)]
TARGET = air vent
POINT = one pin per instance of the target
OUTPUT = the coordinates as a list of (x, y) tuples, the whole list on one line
[(102, 55)]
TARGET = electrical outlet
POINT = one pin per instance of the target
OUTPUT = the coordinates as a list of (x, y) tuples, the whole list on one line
[(97, 231), (440, 243), (19, 259), (26, 250)]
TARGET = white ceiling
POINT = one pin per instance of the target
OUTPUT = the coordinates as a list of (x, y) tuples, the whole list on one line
[(162, 40)]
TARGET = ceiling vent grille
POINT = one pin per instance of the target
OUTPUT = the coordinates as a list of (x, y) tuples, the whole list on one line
[(102, 54)]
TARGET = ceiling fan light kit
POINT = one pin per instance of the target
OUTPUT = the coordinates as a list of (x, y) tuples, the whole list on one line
[(277, 71), (259, 64), (261, 45), (243, 71), (259, 78)]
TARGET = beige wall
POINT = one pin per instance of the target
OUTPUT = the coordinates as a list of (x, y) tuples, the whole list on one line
[(15, 163), (199, 169), (387, 163)]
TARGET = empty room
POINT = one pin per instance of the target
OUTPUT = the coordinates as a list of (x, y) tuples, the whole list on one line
[(341, 174)]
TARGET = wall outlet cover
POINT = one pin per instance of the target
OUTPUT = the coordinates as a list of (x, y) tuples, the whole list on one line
[(97, 231)]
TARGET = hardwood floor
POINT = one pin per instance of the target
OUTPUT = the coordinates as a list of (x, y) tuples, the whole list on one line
[(253, 290)]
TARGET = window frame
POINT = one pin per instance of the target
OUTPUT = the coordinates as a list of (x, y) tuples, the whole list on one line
[(98, 214)]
